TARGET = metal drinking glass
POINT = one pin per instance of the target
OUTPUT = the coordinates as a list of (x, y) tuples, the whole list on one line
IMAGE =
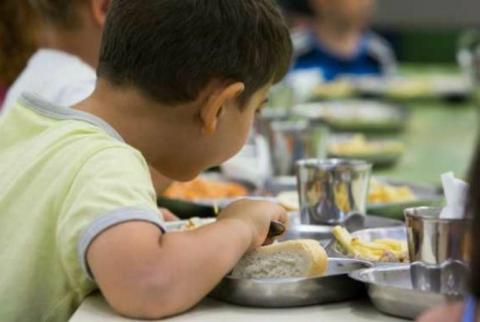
[(331, 190), (439, 250), (291, 141)]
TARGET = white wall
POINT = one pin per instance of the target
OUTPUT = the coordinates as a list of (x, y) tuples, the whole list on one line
[(428, 13)]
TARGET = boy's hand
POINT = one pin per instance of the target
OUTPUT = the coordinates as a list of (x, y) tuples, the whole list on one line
[(257, 215)]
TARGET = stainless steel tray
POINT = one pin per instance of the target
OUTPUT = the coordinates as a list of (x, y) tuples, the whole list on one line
[(323, 233), (335, 286), (357, 115), (391, 291), (426, 195), (368, 235)]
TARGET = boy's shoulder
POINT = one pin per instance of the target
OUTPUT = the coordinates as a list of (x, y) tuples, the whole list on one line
[(44, 132)]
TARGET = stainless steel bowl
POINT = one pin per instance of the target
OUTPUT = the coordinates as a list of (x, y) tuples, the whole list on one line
[(335, 286), (391, 291)]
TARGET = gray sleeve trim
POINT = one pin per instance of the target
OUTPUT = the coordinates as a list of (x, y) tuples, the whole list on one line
[(113, 218), (37, 104)]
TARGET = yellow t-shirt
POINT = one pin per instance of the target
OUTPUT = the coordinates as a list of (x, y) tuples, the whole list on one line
[(65, 177)]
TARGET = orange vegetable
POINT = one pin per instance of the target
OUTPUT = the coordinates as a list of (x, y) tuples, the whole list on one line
[(202, 188)]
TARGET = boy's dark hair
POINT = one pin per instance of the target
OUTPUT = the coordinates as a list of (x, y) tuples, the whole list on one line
[(172, 49), (61, 13), (473, 209)]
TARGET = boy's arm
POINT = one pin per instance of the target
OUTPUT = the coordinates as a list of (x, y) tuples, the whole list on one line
[(145, 274)]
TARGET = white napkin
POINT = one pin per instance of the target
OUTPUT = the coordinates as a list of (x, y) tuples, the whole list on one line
[(252, 164), (456, 192)]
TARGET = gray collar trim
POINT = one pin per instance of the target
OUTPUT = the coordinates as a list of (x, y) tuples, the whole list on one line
[(37, 104)]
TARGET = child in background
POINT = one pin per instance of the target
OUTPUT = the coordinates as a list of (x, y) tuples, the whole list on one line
[(338, 42), (179, 84), (63, 70), (19, 38), (468, 311)]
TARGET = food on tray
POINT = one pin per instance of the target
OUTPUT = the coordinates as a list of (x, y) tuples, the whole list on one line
[(337, 89), (414, 87), (381, 192), (380, 250), (294, 258), (408, 88), (202, 188), (359, 145)]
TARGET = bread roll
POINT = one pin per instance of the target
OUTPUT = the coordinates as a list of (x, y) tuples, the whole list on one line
[(295, 258)]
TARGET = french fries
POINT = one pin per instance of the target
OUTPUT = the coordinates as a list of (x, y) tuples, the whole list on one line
[(380, 250), (383, 193)]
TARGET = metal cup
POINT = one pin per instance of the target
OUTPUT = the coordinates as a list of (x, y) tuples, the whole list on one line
[(291, 141), (331, 190), (439, 250)]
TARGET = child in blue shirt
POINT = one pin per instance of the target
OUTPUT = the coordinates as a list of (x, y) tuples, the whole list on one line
[(337, 40)]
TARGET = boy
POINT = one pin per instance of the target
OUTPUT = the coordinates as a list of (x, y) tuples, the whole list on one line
[(337, 43), (62, 71), (179, 83)]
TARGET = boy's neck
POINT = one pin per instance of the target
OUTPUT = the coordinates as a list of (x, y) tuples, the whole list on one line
[(150, 128), (340, 39), (83, 43)]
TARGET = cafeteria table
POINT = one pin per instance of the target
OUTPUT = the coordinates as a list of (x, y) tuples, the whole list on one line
[(440, 137), (95, 309)]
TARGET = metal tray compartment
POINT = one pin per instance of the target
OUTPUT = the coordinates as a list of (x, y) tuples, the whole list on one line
[(335, 286), (391, 291)]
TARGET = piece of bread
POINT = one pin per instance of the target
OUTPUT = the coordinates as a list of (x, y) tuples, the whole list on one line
[(295, 258)]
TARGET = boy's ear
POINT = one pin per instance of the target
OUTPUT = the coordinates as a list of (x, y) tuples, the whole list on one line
[(219, 97), (99, 10)]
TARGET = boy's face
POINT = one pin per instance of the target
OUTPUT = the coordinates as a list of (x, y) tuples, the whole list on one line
[(349, 12), (234, 122)]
